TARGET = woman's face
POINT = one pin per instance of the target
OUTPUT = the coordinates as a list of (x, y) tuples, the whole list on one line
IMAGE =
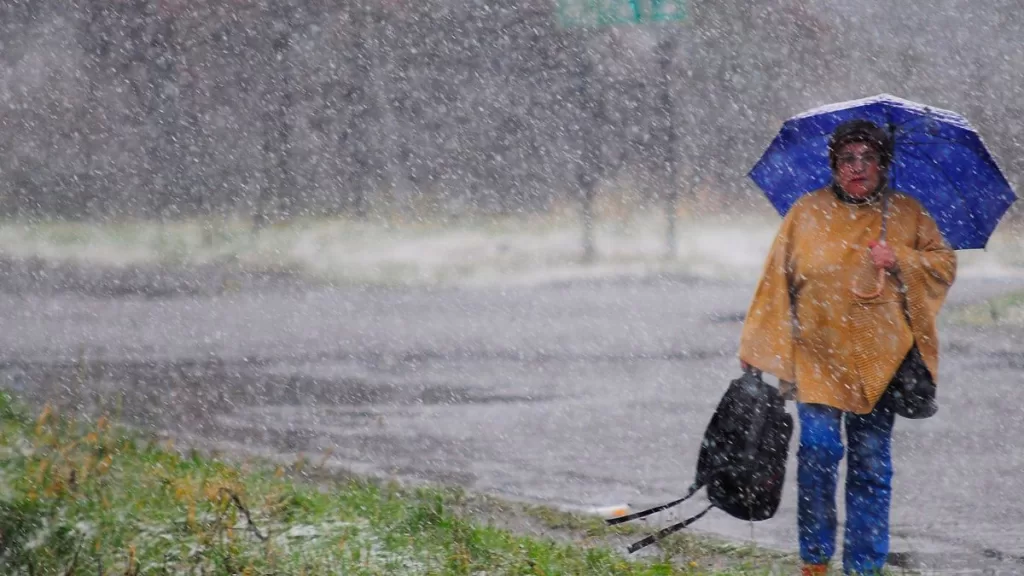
[(858, 169)]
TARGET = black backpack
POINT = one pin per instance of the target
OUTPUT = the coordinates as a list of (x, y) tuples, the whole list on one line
[(742, 458)]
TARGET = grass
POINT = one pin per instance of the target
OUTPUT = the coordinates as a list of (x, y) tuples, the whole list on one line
[(1007, 309), (470, 250), (342, 249), (82, 498)]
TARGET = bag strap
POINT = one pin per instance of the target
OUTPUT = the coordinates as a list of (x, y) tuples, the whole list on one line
[(758, 420), (760, 417), (666, 531), (644, 513)]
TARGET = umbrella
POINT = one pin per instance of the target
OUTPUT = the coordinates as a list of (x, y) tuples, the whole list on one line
[(938, 158)]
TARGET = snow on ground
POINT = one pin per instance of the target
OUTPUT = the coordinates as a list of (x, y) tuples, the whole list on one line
[(513, 250)]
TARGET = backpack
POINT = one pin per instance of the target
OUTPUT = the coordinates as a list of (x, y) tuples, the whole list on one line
[(742, 458)]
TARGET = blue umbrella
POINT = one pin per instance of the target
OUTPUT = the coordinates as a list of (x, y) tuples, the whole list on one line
[(938, 159)]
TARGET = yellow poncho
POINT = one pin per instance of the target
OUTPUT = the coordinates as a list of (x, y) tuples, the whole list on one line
[(838, 349)]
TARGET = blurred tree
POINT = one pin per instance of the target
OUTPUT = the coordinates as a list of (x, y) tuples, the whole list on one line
[(177, 107)]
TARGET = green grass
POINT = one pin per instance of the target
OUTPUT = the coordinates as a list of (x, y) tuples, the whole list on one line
[(91, 498), (1005, 309)]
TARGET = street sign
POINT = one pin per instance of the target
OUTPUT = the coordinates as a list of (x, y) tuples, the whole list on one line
[(596, 13)]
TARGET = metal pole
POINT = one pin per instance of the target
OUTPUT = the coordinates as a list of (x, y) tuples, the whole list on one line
[(666, 48), (586, 175)]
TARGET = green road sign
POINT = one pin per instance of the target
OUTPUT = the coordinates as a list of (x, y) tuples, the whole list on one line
[(592, 13)]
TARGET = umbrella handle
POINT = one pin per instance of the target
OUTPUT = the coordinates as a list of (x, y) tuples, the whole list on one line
[(878, 290), (881, 239)]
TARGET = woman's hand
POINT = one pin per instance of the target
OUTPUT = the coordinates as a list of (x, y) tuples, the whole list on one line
[(882, 256)]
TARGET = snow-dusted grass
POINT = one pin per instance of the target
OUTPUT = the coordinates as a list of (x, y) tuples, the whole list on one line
[(532, 248), (81, 498), (481, 251)]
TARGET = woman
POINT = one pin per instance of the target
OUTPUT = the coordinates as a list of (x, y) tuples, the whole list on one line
[(819, 321)]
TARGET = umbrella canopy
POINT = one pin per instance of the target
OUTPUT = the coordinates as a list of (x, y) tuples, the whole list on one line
[(938, 158)]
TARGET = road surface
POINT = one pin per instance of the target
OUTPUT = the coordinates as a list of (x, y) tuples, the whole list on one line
[(575, 394)]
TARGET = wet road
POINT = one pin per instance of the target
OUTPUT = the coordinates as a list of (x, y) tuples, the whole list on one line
[(575, 394)]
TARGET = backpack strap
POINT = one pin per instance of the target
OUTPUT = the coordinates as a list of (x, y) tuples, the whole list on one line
[(759, 417), (644, 513), (666, 531)]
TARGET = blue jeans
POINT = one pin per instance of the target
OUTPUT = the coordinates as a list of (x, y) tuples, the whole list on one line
[(868, 485)]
